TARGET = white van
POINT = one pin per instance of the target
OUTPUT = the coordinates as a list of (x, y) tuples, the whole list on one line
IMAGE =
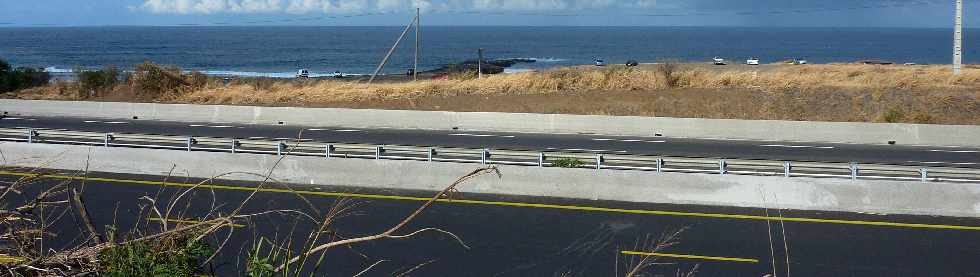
[(752, 61)]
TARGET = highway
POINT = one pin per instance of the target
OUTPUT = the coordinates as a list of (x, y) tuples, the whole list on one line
[(914, 155), (522, 236)]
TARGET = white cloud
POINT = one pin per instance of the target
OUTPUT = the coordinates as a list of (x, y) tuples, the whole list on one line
[(350, 6)]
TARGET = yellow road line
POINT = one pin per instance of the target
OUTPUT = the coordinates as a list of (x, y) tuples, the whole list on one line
[(4, 259), (693, 257), (188, 221), (517, 204)]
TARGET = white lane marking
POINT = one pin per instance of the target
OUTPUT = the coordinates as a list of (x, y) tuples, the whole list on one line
[(92, 121), (221, 126), (316, 129), (629, 140), (797, 146), (965, 163), (257, 137), (116, 122), (955, 151), (195, 125), (348, 130), (588, 150), (480, 135), (921, 162), (12, 118)]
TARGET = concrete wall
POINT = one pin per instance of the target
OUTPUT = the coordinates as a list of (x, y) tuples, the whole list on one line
[(947, 199), (870, 133)]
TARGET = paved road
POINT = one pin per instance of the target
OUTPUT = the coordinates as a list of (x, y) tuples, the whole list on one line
[(669, 146), (519, 236)]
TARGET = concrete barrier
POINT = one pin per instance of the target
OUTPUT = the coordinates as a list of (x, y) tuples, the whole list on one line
[(863, 196), (865, 133)]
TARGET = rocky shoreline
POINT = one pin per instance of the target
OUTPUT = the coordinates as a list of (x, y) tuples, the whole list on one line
[(495, 66)]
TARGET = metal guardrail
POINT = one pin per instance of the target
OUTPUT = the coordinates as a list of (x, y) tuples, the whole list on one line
[(596, 161)]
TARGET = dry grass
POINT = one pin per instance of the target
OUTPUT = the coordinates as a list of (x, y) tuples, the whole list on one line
[(828, 92), (781, 79)]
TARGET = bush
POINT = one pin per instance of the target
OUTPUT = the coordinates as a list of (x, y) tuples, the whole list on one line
[(893, 115), (95, 82), (20, 78), (175, 256), (568, 162), (667, 70), (150, 79)]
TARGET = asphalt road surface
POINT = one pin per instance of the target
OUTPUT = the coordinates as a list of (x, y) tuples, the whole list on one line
[(925, 156), (524, 236)]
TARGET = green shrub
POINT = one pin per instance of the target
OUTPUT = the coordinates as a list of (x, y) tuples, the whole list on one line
[(95, 82), (893, 115), (20, 78), (568, 162), (169, 256)]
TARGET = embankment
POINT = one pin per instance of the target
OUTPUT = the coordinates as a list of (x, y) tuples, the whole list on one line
[(864, 133), (828, 92)]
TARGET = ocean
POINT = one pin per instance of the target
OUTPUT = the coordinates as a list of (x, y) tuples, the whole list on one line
[(281, 51)]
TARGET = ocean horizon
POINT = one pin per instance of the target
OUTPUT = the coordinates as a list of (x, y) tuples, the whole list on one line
[(278, 51)]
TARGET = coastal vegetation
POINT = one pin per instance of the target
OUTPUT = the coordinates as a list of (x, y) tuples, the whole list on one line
[(12, 79), (815, 92)]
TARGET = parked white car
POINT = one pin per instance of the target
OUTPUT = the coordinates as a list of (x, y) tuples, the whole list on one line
[(719, 61), (752, 61), (303, 73)]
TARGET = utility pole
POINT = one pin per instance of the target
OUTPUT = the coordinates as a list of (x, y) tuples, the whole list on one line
[(479, 64), (958, 39), (418, 43), (384, 61)]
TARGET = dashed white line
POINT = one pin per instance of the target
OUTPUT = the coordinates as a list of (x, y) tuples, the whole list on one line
[(221, 126), (955, 151), (116, 122), (629, 140), (92, 121), (316, 129), (348, 130), (797, 146), (589, 150), (195, 125), (962, 163), (480, 135), (12, 118), (257, 138)]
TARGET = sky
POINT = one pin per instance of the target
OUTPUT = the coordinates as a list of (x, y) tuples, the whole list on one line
[(769, 13)]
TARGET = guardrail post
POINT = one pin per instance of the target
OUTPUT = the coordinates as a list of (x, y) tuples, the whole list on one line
[(598, 161), (924, 172), (281, 148), (328, 150), (787, 167), (107, 139), (190, 143), (235, 144), (660, 165), (431, 154), (722, 167), (31, 133), (854, 170), (378, 151), (485, 156), (541, 159)]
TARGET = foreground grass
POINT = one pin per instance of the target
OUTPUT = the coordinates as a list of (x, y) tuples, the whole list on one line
[(828, 92)]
